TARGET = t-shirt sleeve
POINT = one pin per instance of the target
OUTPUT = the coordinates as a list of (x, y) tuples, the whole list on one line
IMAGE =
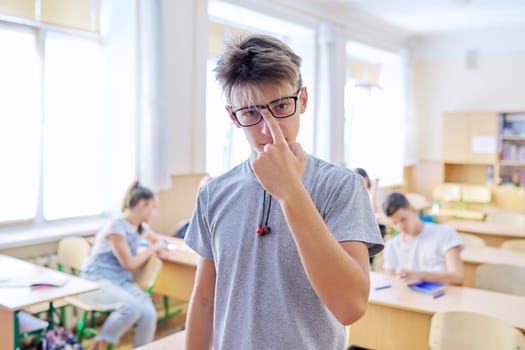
[(102, 245), (349, 216), (198, 235), (115, 227), (389, 256), (452, 239)]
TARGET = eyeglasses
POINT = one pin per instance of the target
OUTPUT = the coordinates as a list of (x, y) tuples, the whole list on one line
[(281, 108)]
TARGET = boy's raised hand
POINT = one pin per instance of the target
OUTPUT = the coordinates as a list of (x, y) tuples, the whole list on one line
[(280, 166)]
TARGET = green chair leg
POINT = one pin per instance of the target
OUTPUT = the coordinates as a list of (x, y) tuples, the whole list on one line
[(82, 330), (167, 313), (93, 319), (63, 317), (80, 327)]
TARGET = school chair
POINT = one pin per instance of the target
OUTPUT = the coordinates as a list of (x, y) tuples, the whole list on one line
[(506, 217), (517, 245), (461, 330), (145, 277), (447, 193), (71, 252), (462, 201), (471, 240), (418, 201), (445, 199), (476, 196), (501, 278)]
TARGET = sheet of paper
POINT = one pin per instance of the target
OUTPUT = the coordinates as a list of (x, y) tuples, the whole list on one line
[(483, 144)]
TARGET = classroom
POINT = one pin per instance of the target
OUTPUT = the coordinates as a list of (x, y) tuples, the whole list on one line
[(131, 168)]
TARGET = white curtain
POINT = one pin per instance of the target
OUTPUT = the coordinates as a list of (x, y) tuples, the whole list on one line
[(329, 138), (153, 122)]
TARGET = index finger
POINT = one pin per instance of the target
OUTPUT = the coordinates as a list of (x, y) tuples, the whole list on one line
[(273, 125)]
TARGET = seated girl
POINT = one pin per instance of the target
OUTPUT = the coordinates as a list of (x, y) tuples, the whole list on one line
[(112, 260)]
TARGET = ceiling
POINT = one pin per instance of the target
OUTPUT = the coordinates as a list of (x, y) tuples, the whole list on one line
[(423, 17)]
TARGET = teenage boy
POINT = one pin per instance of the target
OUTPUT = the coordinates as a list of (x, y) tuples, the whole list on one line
[(284, 237), (422, 251)]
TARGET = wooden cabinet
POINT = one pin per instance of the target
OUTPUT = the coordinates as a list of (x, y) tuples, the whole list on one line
[(485, 148), (470, 137)]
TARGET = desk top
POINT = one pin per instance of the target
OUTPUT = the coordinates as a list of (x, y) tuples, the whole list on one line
[(16, 298), (181, 253), (480, 227), (506, 307), (492, 255), (174, 342)]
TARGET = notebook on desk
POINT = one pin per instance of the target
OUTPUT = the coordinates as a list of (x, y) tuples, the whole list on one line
[(43, 280), (430, 288)]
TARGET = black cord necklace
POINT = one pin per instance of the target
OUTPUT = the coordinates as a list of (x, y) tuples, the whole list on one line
[(265, 229)]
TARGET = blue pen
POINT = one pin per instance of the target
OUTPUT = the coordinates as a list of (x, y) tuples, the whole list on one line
[(383, 287), (438, 295)]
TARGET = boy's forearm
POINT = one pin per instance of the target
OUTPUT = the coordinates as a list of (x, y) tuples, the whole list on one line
[(453, 278), (199, 327), (339, 279)]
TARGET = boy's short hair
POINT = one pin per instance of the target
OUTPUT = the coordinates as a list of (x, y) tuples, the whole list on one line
[(257, 59), (395, 201)]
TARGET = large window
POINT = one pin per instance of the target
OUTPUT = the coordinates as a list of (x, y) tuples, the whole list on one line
[(375, 113), (225, 144), (51, 125), (19, 124), (68, 114), (73, 140)]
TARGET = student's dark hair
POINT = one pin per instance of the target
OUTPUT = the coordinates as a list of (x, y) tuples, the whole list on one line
[(257, 59), (364, 174), (395, 201), (135, 193)]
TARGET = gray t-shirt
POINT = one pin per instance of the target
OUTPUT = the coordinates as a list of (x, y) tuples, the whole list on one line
[(263, 299), (101, 261)]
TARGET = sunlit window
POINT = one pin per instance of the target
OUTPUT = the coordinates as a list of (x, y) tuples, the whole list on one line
[(19, 124), (67, 113), (74, 127), (52, 130), (374, 114)]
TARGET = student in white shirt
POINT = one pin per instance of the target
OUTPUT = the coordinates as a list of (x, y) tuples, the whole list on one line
[(422, 251)]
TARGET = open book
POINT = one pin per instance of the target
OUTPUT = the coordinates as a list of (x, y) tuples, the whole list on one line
[(430, 288)]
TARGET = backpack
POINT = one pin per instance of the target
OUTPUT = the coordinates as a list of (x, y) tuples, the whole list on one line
[(59, 338)]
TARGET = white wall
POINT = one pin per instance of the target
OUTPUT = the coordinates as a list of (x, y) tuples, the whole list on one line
[(186, 24), (443, 83)]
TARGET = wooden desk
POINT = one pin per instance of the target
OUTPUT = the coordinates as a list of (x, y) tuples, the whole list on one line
[(473, 257), (13, 299), (178, 271), (445, 214), (492, 234), (398, 318), (175, 341)]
